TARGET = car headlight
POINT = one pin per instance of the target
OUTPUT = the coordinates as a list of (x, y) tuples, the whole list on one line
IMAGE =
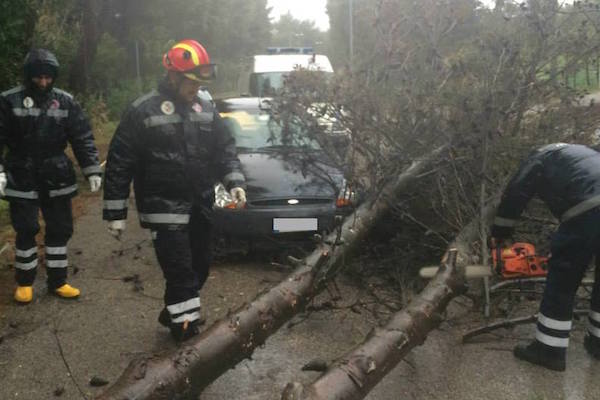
[(346, 197)]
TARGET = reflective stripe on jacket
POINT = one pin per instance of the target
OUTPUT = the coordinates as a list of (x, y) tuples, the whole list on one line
[(174, 153), (36, 130)]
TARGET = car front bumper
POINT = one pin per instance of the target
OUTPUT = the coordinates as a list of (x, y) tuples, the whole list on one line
[(259, 221)]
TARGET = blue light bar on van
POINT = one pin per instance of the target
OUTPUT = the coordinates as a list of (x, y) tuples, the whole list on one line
[(290, 50)]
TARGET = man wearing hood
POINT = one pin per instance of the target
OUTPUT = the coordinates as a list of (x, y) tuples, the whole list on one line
[(37, 121)]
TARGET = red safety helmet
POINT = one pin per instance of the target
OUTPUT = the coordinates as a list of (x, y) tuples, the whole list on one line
[(191, 59)]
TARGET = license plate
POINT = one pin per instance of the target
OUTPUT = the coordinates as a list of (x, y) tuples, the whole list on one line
[(282, 225)]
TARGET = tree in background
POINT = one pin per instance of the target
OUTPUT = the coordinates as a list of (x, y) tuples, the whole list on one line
[(232, 32), (289, 31), (17, 20), (363, 22), (106, 46)]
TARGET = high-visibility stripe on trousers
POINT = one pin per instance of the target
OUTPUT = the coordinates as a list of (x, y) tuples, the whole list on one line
[(552, 332), (573, 246), (59, 228), (184, 257), (188, 310), (56, 257), (594, 323), (26, 259)]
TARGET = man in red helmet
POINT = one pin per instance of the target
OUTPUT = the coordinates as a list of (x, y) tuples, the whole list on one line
[(173, 146)]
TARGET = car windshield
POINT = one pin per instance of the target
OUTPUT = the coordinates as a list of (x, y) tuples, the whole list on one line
[(257, 131)]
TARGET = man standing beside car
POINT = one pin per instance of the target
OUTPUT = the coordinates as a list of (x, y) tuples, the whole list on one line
[(171, 143), (36, 122)]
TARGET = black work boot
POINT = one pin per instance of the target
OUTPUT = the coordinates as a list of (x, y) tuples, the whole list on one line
[(164, 318), (553, 358), (592, 345), (184, 331)]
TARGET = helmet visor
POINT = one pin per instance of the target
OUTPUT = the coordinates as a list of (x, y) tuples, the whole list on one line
[(205, 72)]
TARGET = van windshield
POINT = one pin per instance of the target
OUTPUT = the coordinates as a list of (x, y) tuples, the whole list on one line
[(265, 84)]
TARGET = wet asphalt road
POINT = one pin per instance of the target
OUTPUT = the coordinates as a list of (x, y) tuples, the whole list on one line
[(53, 347)]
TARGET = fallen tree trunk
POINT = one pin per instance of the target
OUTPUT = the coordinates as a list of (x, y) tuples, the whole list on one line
[(358, 372), (187, 371), (362, 368)]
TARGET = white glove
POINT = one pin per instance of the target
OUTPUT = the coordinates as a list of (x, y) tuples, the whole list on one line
[(95, 183), (239, 196), (2, 183), (116, 228)]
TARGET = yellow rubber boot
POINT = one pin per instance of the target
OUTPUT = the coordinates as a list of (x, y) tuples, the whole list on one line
[(67, 291), (24, 294)]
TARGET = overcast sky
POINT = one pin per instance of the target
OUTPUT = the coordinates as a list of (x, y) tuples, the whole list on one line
[(312, 10), (315, 10)]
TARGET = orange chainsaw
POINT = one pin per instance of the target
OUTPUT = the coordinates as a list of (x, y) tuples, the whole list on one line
[(519, 260)]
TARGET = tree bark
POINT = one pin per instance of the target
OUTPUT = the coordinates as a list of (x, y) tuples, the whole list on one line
[(362, 368), (359, 371), (184, 373)]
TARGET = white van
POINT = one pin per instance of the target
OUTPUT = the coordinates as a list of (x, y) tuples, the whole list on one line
[(269, 70)]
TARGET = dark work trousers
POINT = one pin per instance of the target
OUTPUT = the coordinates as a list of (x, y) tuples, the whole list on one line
[(184, 257), (58, 217), (573, 246)]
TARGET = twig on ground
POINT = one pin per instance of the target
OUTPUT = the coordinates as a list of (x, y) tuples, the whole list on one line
[(371, 291), (62, 354), (499, 349), (122, 250), (141, 293), (510, 323), (427, 228)]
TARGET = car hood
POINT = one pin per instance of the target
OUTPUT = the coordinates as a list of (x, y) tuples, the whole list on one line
[(269, 176)]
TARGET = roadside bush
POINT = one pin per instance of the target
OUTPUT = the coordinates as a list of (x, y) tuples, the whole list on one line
[(96, 109), (119, 97), (4, 217), (109, 66)]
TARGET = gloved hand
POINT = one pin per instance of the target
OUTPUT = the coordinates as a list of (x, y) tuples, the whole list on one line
[(95, 183), (116, 228), (2, 183), (239, 196)]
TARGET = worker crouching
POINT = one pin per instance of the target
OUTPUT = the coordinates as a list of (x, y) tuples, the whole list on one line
[(567, 178)]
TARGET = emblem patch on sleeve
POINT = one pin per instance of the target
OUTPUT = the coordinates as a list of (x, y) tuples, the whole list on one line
[(27, 102), (167, 107)]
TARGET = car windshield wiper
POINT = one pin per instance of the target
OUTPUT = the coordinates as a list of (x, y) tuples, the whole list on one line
[(277, 147), (243, 148)]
